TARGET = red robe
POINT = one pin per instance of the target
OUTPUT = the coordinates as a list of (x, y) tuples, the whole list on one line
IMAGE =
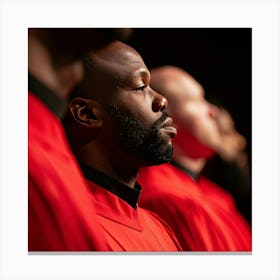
[(201, 214), (61, 214), (129, 229)]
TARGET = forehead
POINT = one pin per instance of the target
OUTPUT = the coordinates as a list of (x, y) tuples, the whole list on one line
[(121, 63)]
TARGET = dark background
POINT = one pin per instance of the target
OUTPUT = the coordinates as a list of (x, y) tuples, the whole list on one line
[(219, 58)]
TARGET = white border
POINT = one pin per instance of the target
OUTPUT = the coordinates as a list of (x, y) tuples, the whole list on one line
[(17, 16)]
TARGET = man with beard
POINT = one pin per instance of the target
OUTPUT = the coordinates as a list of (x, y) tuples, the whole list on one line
[(115, 126), (61, 216), (202, 215)]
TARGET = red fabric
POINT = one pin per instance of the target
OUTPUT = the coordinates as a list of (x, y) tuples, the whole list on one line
[(189, 144), (201, 214), (61, 214), (129, 229)]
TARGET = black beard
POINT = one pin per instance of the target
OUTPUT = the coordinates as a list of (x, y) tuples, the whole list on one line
[(136, 138)]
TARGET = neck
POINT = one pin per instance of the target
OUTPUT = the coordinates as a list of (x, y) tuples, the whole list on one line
[(40, 65), (195, 165), (98, 157)]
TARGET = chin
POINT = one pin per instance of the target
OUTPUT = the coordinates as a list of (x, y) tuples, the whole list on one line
[(160, 156), (202, 152)]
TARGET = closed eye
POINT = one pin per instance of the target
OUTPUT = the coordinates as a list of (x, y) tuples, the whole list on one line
[(140, 88)]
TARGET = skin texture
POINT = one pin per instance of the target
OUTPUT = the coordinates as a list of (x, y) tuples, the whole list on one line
[(116, 122)]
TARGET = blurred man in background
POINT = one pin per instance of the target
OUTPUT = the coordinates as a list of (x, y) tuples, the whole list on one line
[(230, 167), (202, 215), (116, 125), (61, 216)]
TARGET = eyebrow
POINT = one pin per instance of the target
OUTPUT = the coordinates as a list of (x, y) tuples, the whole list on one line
[(142, 72)]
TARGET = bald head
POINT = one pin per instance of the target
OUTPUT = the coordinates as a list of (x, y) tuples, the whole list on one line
[(116, 52), (107, 69), (175, 84)]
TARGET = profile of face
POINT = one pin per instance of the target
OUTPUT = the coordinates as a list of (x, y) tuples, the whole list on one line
[(196, 119), (233, 146), (127, 113)]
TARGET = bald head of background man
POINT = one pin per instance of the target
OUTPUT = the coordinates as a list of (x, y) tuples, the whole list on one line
[(196, 119), (203, 128)]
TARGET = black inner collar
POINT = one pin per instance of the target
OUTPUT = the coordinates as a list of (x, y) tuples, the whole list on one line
[(124, 192), (47, 96), (186, 170)]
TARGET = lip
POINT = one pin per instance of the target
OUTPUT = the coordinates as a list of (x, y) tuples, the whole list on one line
[(168, 128)]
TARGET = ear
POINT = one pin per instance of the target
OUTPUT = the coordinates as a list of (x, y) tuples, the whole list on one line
[(86, 112)]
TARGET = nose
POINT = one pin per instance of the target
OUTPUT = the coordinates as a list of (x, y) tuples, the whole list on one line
[(159, 102), (242, 142), (213, 111)]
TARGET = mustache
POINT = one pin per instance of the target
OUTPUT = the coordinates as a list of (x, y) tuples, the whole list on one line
[(158, 122)]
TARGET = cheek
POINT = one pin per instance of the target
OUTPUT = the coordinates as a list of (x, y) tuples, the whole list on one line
[(202, 119), (199, 124), (137, 107), (190, 118), (144, 115)]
